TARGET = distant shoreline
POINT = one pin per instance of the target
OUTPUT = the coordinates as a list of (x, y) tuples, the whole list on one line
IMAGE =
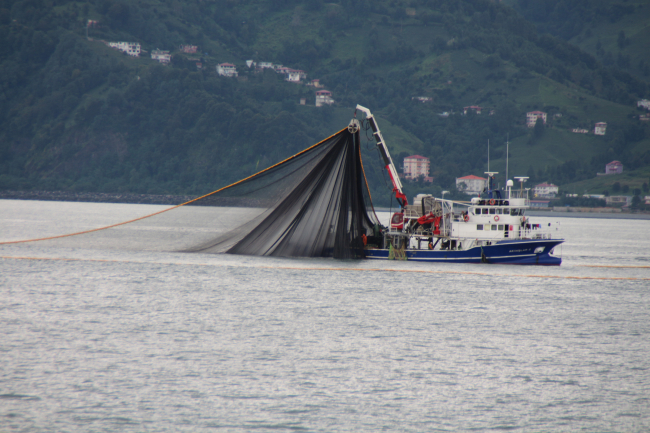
[(96, 197), (572, 213), (169, 199)]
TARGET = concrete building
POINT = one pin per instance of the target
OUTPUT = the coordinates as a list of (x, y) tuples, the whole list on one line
[(600, 128), (474, 108), (545, 190), (532, 116), (324, 97), (162, 56), (227, 70), (471, 184), (643, 103), (614, 167), (539, 203), (130, 48), (416, 166), (617, 200), (189, 49)]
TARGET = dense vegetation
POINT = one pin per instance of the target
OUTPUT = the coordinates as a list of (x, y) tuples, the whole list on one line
[(77, 115)]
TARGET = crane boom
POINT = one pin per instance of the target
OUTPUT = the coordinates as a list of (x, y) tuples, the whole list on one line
[(388, 161)]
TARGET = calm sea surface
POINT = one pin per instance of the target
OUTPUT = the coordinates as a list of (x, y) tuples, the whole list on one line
[(116, 332)]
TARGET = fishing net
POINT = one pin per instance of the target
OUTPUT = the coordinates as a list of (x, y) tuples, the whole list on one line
[(312, 204)]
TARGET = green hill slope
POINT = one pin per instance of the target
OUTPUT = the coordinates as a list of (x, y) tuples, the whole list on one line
[(76, 114)]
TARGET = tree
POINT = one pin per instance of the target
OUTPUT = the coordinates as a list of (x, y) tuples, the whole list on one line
[(538, 131)]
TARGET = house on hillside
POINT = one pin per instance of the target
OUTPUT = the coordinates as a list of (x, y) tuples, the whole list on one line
[(227, 70), (189, 49), (614, 167), (532, 116), (314, 83), (422, 99), (599, 128), (617, 200), (545, 190), (324, 97), (475, 108), (471, 184), (162, 56), (416, 166), (644, 103), (130, 48)]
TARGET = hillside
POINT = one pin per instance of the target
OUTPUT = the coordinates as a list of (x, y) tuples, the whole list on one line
[(78, 115)]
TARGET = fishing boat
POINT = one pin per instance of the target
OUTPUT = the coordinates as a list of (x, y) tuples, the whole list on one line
[(491, 228)]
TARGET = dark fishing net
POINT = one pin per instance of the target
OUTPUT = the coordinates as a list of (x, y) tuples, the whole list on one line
[(310, 205)]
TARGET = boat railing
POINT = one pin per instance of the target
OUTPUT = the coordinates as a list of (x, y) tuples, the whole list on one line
[(540, 231), (519, 194)]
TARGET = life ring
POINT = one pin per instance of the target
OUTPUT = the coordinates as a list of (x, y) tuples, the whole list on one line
[(492, 201), (496, 217), (466, 217)]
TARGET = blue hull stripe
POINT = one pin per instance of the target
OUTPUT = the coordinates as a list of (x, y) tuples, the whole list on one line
[(514, 252)]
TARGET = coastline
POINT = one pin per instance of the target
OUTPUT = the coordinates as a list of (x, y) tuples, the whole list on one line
[(95, 197), (170, 199)]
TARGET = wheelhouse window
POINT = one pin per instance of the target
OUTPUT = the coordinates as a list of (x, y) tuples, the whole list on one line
[(479, 226)]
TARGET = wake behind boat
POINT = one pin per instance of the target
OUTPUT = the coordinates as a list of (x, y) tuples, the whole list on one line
[(490, 229)]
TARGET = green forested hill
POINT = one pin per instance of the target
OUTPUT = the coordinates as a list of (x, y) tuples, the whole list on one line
[(78, 115)]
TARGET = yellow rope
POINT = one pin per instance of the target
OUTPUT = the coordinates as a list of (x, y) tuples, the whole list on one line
[(292, 268), (177, 206)]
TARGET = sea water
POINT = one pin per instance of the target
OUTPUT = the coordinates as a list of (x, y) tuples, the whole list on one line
[(100, 338)]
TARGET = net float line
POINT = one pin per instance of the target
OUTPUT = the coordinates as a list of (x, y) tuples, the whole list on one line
[(178, 205), (298, 268)]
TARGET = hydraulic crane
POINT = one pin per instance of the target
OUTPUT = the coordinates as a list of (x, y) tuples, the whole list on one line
[(388, 162)]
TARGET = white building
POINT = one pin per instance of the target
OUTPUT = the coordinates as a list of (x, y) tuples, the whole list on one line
[(324, 97), (161, 56), (643, 103), (189, 49), (532, 116), (471, 184), (475, 108), (130, 48), (617, 200), (599, 128), (545, 190), (293, 77), (416, 166), (227, 70)]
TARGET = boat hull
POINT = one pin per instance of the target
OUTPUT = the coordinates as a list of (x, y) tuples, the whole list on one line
[(516, 252)]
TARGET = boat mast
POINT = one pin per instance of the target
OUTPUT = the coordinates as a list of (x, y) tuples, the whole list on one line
[(507, 153)]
